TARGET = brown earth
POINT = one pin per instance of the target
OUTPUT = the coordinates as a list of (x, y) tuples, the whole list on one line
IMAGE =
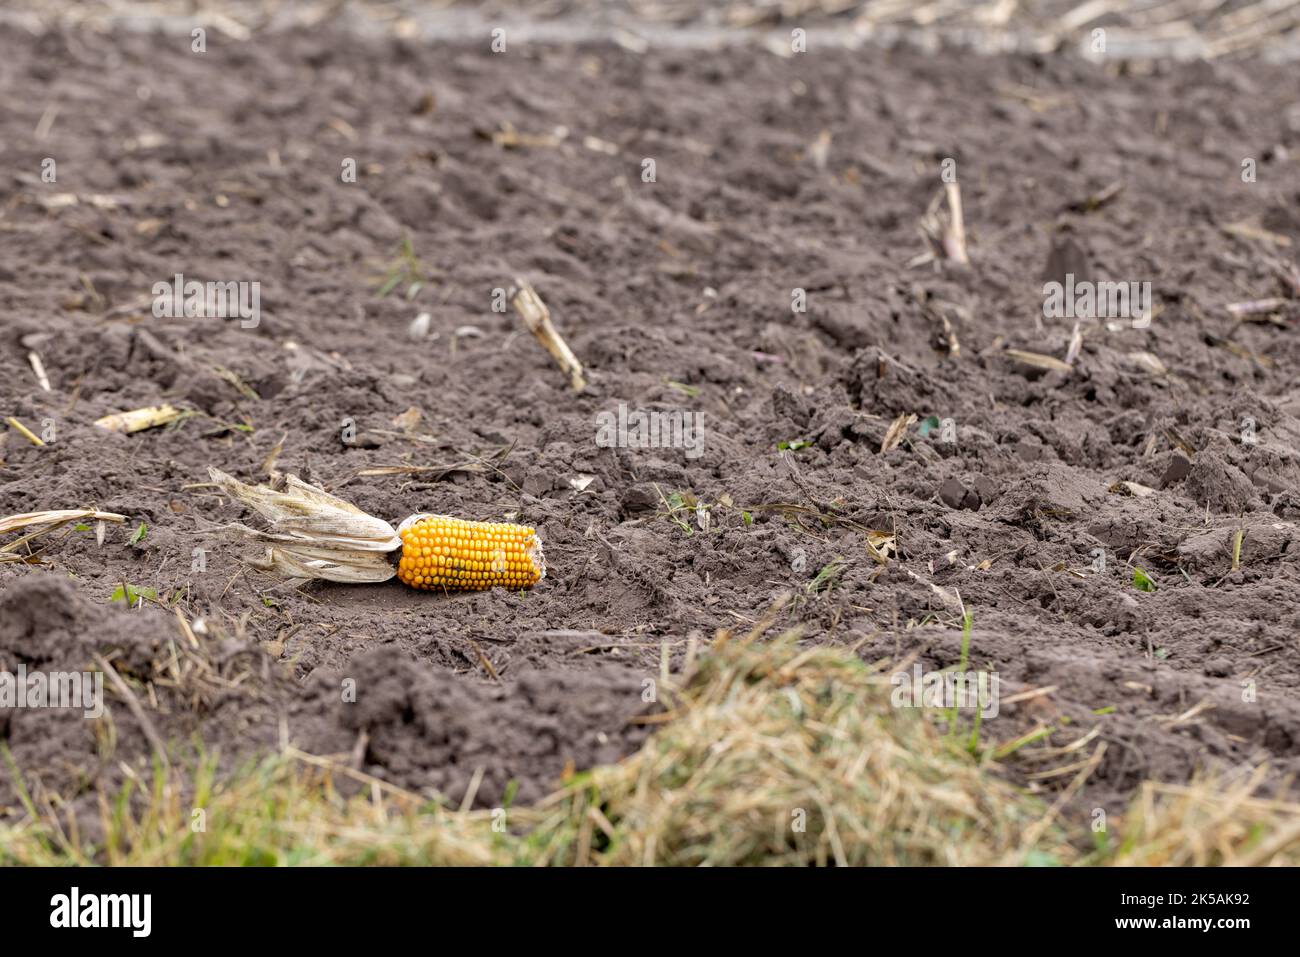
[(226, 165)]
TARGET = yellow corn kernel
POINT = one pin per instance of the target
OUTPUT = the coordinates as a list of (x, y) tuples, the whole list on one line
[(450, 554)]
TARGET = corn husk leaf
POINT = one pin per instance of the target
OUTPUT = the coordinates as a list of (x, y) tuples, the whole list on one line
[(314, 534), (294, 559), (306, 513), (59, 516), (44, 522)]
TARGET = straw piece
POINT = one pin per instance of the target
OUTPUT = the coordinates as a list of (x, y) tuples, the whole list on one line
[(137, 420), (25, 432)]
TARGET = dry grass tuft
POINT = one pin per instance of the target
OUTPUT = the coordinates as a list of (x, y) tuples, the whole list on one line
[(1208, 823), (778, 755), (277, 813)]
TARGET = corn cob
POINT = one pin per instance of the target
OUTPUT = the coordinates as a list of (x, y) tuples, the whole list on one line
[(314, 534), (450, 554)]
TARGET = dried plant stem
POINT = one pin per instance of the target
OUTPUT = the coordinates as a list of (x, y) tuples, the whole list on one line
[(538, 319), (134, 706), (38, 367), (954, 237), (25, 432)]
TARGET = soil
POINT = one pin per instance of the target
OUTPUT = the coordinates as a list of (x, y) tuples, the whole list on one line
[(677, 294)]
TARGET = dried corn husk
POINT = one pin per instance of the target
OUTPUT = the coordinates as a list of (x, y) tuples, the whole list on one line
[(44, 522), (291, 557), (314, 534), (57, 517)]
